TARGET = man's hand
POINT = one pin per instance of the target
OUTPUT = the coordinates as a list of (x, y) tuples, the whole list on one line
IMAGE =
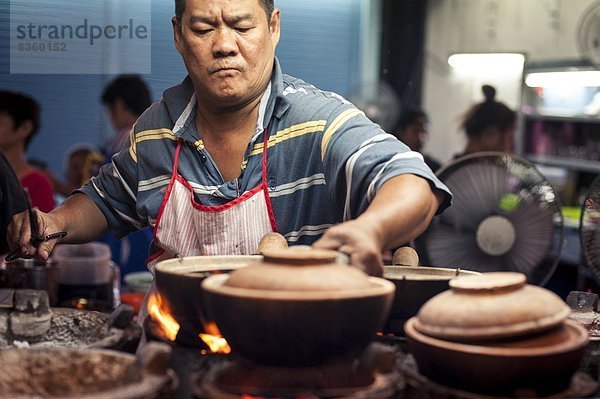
[(19, 234), (361, 243), (77, 215)]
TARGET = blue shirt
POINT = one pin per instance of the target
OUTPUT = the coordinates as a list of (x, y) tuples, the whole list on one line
[(326, 161)]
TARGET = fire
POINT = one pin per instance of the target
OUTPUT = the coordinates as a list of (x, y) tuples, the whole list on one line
[(159, 313), (213, 338)]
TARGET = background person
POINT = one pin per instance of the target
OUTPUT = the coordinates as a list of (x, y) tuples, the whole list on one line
[(83, 161), (489, 125), (125, 98), (12, 200), (19, 123), (239, 150), (412, 131)]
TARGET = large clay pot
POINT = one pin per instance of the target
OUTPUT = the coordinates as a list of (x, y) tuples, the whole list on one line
[(538, 364), (297, 308), (178, 282), (495, 305), (492, 333)]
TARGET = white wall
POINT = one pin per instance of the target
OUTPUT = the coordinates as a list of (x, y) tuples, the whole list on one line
[(541, 29)]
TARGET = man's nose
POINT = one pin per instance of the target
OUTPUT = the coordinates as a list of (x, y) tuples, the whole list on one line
[(225, 42)]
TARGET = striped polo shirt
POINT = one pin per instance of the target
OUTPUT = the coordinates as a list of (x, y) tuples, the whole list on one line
[(326, 161)]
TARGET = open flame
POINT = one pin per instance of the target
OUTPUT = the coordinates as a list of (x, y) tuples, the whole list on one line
[(213, 339), (160, 313)]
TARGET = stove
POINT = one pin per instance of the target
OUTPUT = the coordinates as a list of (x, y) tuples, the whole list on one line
[(386, 370), (583, 385), (369, 376), (203, 374), (31, 322)]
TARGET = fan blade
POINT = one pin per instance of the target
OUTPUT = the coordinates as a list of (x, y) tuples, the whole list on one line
[(490, 184)]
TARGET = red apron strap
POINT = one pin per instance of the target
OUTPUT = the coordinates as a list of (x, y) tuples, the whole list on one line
[(265, 182)]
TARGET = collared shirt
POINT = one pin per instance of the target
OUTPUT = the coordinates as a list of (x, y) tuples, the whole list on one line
[(326, 161)]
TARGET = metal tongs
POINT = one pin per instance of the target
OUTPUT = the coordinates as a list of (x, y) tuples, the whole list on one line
[(36, 238)]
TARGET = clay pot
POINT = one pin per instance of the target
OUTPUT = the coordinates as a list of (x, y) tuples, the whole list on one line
[(490, 306), (538, 364), (179, 280), (297, 308), (415, 285)]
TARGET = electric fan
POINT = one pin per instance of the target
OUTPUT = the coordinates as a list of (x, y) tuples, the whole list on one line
[(505, 216), (588, 31), (589, 229)]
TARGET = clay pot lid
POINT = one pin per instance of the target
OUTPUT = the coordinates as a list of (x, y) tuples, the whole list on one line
[(490, 282), (490, 306), (290, 269)]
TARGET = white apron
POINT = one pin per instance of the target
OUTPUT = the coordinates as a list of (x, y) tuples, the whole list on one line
[(186, 228)]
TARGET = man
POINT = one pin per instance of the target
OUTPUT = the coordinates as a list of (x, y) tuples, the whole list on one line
[(239, 150), (19, 123), (125, 98), (412, 131), (12, 200)]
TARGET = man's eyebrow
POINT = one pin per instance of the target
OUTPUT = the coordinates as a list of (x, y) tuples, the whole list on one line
[(232, 20), (198, 18)]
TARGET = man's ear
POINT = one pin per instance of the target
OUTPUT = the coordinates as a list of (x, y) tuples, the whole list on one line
[(177, 32), (274, 26)]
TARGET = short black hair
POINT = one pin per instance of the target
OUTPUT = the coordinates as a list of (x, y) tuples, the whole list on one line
[(408, 117), (267, 5), (21, 108), (131, 89)]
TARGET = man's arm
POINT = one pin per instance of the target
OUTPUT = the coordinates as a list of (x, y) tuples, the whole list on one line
[(400, 211), (77, 215)]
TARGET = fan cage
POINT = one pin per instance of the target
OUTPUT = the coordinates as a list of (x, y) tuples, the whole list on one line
[(490, 184), (589, 230)]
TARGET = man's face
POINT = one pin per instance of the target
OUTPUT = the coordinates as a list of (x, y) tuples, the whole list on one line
[(415, 134), (228, 47)]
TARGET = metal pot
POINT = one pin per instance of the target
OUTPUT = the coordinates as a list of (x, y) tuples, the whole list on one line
[(33, 274), (415, 285)]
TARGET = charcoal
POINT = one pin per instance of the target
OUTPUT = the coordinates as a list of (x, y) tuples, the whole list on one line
[(4, 321), (24, 324)]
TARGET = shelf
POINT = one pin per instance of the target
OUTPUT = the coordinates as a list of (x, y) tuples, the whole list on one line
[(571, 163), (558, 118)]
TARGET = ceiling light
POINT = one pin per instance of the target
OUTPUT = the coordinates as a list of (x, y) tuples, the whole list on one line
[(563, 79), (487, 62)]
